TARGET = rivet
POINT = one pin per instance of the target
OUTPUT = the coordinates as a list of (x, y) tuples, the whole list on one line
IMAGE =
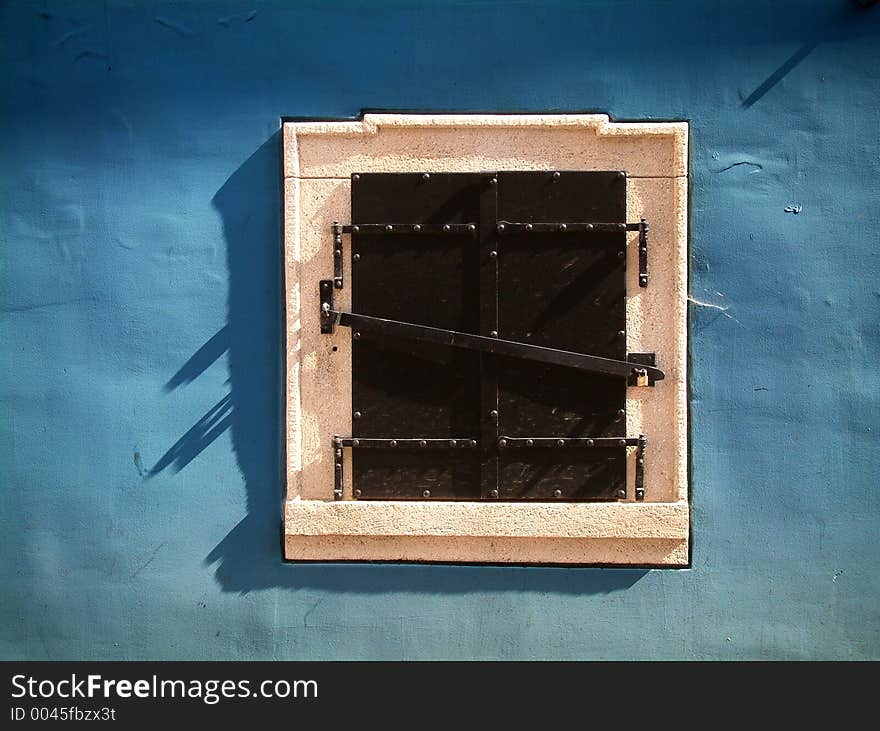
[(641, 461), (493, 493), (338, 239), (493, 414), (423, 443), (356, 442), (356, 335), (530, 442), (426, 176), (557, 493), (426, 493), (471, 227), (337, 252), (621, 333), (621, 227), (337, 441), (393, 442), (356, 415), (493, 254), (355, 177), (589, 227), (447, 228), (338, 466), (643, 250), (562, 227), (357, 493), (621, 443), (502, 443), (500, 226), (590, 442), (621, 254), (473, 442), (493, 334), (493, 181), (643, 279), (338, 452), (325, 285), (556, 175), (417, 228), (355, 229), (597, 302), (621, 493), (389, 227), (529, 227), (560, 442), (355, 257), (621, 174), (453, 443), (621, 413)]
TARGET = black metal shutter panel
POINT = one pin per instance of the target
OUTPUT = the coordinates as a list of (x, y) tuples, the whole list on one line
[(555, 289)]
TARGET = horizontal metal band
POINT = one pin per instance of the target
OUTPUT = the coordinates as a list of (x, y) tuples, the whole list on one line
[(410, 228), (505, 442), (559, 227), (410, 443)]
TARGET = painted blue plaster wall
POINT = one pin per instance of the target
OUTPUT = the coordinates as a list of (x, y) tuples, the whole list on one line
[(139, 387)]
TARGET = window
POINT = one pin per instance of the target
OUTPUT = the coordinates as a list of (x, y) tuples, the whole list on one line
[(486, 340)]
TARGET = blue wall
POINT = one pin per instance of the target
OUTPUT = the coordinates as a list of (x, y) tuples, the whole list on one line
[(139, 329)]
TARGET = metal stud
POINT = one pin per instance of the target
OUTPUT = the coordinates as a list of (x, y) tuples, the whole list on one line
[(493, 334), (562, 227), (355, 177), (423, 443), (502, 443), (557, 493), (357, 493), (393, 442), (560, 442), (621, 413), (426, 493), (355, 257), (356, 415), (493, 493), (493, 414), (621, 174), (471, 227), (530, 442), (557, 175), (473, 442), (529, 227), (589, 227), (493, 254), (389, 227), (621, 333), (356, 442), (621, 254), (447, 228), (338, 240), (356, 335), (417, 228), (621, 227), (426, 176), (621, 443), (590, 442), (643, 279), (337, 252), (355, 229), (453, 443), (621, 494), (500, 226), (325, 285), (493, 181)]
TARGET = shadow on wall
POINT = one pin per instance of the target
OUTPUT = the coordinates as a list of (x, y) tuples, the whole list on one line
[(250, 557)]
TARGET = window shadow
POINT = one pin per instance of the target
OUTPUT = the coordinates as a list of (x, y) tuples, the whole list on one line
[(250, 557)]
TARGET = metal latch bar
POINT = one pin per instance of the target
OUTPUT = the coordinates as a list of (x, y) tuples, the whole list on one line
[(409, 228), (381, 328)]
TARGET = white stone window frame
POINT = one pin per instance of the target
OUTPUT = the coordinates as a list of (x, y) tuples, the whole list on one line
[(319, 158)]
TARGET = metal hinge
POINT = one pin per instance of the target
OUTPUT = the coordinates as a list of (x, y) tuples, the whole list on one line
[(502, 227)]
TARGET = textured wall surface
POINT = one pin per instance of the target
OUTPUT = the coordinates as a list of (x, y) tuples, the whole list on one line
[(140, 495)]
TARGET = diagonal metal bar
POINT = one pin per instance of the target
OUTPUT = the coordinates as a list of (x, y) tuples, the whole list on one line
[(380, 328)]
